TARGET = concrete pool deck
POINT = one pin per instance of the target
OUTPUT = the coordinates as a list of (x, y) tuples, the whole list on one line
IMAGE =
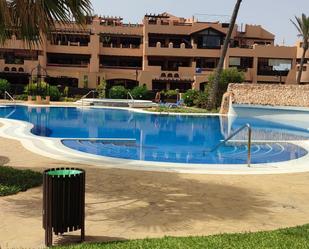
[(127, 204)]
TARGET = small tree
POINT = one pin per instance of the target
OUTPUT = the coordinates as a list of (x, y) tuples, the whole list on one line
[(101, 89), (230, 75), (140, 92), (4, 86), (118, 92)]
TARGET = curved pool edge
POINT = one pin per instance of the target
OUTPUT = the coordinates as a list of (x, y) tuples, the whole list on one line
[(137, 110), (53, 148)]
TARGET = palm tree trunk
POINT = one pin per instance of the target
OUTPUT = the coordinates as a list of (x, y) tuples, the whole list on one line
[(213, 95), (301, 67)]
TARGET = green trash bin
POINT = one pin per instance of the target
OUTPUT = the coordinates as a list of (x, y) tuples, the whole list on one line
[(63, 202)]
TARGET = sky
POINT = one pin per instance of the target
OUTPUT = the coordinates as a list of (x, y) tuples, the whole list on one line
[(273, 15)]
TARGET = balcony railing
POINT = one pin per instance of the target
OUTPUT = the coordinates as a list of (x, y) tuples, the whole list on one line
[(111, 45), (66, 65), (121, 67), (171, 45), (69, 43)]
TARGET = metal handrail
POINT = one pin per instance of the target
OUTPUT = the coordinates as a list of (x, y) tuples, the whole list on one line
[(129, 94), (83, 97), (7, 94), (234, 134)]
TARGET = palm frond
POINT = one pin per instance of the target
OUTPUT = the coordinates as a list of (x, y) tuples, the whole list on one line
[(302, 26), (5, 21), (34, 18)]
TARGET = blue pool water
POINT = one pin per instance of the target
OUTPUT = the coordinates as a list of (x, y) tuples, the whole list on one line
[(164, 138)]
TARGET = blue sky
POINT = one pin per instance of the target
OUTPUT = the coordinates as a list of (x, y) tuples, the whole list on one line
[(273, 15)]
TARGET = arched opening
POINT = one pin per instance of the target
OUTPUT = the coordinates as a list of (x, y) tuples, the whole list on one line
[(163, 75), (176, 75), (170, 75), (13, 69), (21, 70), (6, 69)]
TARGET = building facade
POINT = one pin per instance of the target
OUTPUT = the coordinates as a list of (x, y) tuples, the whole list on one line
[(163, 52)]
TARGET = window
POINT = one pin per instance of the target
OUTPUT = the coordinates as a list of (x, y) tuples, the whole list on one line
[(241, 62), (169, 63), (209, 38), (304, 69), (273, 67), (68, 59), (121, 61), (21, 70), (235, 61), (6, 69), (207, 62), (13, 69)]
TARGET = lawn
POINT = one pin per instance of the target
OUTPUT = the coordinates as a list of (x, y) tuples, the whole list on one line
[(296, 238), (180, 110), (13, 180)]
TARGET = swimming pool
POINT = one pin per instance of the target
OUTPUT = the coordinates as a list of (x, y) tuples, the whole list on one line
[(161, 138)]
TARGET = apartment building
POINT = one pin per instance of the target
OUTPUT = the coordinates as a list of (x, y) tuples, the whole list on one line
[(163, 52)]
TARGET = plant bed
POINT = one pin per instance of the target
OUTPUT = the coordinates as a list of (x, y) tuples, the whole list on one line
[(13, 180)]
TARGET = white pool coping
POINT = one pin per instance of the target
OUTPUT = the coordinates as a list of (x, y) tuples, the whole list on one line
[(53, 148)]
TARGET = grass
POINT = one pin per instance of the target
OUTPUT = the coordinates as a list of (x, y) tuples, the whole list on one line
[(180, 110), (13, 180), (296, 238)]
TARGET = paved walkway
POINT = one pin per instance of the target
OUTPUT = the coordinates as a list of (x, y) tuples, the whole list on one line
[(124, 204)]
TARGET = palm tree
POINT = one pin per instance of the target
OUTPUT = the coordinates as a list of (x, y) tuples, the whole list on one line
[(302, 26), (32, 19), (213, 95)]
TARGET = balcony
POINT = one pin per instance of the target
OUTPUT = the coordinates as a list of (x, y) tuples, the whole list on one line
[(68, 48), (184, 50), (121, 49)]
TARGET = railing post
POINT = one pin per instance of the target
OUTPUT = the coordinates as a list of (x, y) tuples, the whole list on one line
[(249, 145)]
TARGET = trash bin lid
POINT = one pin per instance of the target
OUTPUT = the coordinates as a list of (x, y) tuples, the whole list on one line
[(64, 172)]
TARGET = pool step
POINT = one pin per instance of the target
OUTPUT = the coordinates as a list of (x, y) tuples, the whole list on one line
[(228, 154)]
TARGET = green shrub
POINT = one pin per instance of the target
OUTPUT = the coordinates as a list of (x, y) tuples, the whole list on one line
[(13, 180), (170, 93), (118, 92), (101, 89), (4, 86), (54, 93), (140, 92), (43, 90), (201, 100), (229, 75), (190, 96)]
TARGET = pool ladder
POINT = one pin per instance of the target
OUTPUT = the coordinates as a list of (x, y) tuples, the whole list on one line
[(131, 97), (246, 126), (6, 93), (86, 95)]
